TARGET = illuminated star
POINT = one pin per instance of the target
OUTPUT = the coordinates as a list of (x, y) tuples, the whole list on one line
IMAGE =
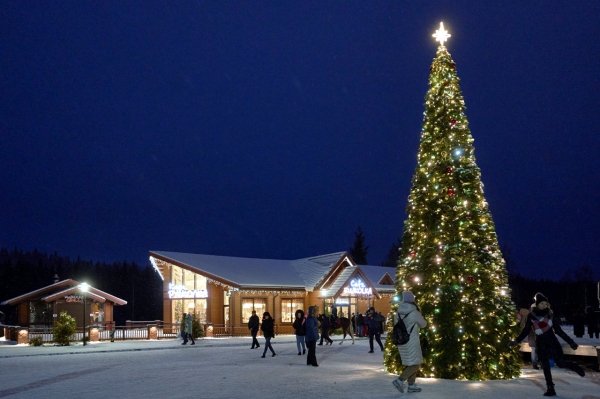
[(441, 35)]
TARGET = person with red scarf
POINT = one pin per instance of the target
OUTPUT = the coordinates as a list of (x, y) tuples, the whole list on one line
[(547, 346)]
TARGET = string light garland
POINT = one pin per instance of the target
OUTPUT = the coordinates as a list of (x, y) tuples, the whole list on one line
[(450, 257)]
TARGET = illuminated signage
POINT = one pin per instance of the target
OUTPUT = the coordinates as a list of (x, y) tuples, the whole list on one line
[(74, 298), (178, 291), (357, 287)]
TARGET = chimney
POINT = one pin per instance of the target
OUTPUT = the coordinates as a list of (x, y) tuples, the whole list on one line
[(55, 278)]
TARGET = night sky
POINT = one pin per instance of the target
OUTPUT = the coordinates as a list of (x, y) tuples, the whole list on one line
[(273, 129)]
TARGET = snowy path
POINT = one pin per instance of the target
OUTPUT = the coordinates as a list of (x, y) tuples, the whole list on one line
[(227, 368)]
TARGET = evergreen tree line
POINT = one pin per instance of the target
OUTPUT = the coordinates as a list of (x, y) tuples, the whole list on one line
[(573, 292), (22, 272)]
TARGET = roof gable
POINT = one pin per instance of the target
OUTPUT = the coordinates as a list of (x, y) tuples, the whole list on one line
[(355, 283)]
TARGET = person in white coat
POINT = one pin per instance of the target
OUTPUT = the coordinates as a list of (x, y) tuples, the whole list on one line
[(410, 353)]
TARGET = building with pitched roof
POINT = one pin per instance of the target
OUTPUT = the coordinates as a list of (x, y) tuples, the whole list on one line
[(222, 291), (39, 309)]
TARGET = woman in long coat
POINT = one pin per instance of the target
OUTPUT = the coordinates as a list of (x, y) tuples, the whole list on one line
[(410, 353), (547, 346)]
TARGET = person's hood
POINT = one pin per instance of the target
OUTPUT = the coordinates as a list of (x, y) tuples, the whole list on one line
[(405, 308), (310, 311), (299, 312)]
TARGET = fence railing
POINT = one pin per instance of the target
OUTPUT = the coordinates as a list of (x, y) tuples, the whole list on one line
[(241, 330), (143, 330)]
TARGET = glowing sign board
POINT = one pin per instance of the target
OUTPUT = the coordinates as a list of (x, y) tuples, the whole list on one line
[(357, 287), (179, 291)]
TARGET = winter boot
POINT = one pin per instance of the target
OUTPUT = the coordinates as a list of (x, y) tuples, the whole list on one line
[(413, 388), (550, 391), (399, 384)]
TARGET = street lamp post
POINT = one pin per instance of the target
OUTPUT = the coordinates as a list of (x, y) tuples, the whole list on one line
[(84, 288)]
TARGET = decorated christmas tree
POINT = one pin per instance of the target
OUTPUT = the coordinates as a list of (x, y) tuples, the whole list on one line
[(450, 259)]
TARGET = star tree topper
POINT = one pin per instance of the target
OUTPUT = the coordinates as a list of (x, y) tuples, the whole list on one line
[(441, 35)]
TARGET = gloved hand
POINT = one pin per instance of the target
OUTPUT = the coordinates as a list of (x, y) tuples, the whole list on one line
[(512, 343), (574, 346)]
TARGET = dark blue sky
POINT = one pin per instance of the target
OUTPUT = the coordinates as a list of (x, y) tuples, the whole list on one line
[(274, 129)]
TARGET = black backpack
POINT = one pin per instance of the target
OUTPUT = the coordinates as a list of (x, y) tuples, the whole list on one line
[(400, 334)]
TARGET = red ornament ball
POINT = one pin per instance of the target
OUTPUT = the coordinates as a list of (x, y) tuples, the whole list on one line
[(450, 192), (453, 66), (453, 121), (413, 253), (468, 215), (471, 279), (448, 170)]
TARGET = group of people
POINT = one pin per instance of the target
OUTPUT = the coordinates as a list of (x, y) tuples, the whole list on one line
[(537, 323), (306, 328), (590, 318), (186, 329)]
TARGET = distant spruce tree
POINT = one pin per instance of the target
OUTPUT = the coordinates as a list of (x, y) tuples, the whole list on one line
[(358, 250), (392, 257)]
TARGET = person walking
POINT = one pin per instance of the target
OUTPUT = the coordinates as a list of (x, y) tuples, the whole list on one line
[(373, 323), (300, 331), (189, 328), (325, 330), (253, 324), (592, 322), (410, 353), (312, 334), (182, 329), (268, 329), (547, 346)]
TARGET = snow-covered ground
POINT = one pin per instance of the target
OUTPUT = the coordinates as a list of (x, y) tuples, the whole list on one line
[(227, 368)]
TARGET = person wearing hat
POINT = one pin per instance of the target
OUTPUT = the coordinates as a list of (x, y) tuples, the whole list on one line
[(410, 353), (373, 321), (547, 347)]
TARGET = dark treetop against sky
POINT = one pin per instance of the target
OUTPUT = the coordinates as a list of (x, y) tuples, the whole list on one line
[(273, 129)]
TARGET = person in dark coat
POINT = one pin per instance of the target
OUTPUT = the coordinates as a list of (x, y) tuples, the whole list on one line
[(592, 322), (334, 316), (578, 324), (253, 325), (373, 322), (312, 334), (300, 331), (547, 345), (360, 324), (268, 329), (325, 330)]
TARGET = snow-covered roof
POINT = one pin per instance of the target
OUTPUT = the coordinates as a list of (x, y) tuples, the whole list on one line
[(377, 275), (57, 290), (313, 270), (251, 272), (306, 273)]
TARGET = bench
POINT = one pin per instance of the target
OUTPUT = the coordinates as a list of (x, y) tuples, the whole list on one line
[(582, 350)]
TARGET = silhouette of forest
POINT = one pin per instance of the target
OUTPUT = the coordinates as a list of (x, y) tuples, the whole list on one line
[(141, 286)]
